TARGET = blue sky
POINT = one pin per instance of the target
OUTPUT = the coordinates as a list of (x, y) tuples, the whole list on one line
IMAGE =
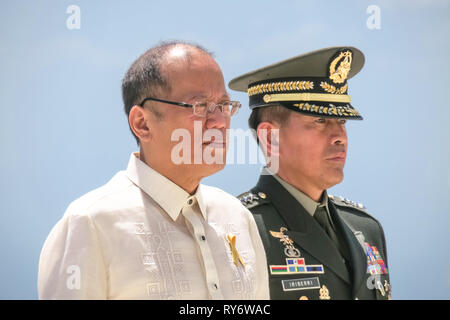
[(63, 130)]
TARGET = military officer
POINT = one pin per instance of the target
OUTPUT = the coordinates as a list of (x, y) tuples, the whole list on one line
[(318, 246)]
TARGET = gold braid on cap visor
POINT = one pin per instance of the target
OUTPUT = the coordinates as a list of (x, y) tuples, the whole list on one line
[(279, 97), (276, 91)]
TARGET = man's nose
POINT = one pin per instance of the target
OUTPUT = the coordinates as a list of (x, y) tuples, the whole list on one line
[(338, 134), (217, 119)]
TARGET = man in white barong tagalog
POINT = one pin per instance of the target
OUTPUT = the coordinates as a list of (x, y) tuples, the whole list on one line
[(154, 231)]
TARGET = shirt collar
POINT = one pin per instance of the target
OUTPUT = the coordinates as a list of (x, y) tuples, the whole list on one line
[(171, 197), (309, 204)]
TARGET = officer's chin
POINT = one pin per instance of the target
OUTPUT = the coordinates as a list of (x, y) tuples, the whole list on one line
[(334, 177)]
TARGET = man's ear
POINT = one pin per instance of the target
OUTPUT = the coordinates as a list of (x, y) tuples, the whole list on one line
[(138, 120), (268, 136)]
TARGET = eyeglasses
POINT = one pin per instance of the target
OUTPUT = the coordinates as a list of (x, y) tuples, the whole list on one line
[(202, 109)]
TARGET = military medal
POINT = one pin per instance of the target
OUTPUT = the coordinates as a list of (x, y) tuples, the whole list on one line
[(388, 289), (380, 287)]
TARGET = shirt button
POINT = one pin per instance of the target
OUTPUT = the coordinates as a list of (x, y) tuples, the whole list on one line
[(190, 201), (203, 238), (215, 287)]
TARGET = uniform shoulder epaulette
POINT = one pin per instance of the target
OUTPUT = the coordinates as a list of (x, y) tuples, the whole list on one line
[(344, 202), (251, 199)]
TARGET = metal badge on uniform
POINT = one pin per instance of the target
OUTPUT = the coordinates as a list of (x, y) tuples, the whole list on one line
[(388, 289), (324, 293), (300, 284), (339, 73), (375, 264), (380, 288), (294, 264), (290, 250)]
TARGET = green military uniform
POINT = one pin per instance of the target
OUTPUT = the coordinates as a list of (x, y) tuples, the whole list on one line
[(279, 215), (328, 250)]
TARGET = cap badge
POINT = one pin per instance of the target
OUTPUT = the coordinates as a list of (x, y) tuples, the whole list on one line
[(340, 67)]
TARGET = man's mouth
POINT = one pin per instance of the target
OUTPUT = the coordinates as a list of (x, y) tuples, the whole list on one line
[(337, 157)]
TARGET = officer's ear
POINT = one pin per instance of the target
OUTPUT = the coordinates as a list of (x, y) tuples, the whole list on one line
[(138, 120), (269, 138)]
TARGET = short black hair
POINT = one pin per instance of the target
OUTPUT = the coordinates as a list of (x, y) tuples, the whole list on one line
[(144, 75), (276, 113)]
